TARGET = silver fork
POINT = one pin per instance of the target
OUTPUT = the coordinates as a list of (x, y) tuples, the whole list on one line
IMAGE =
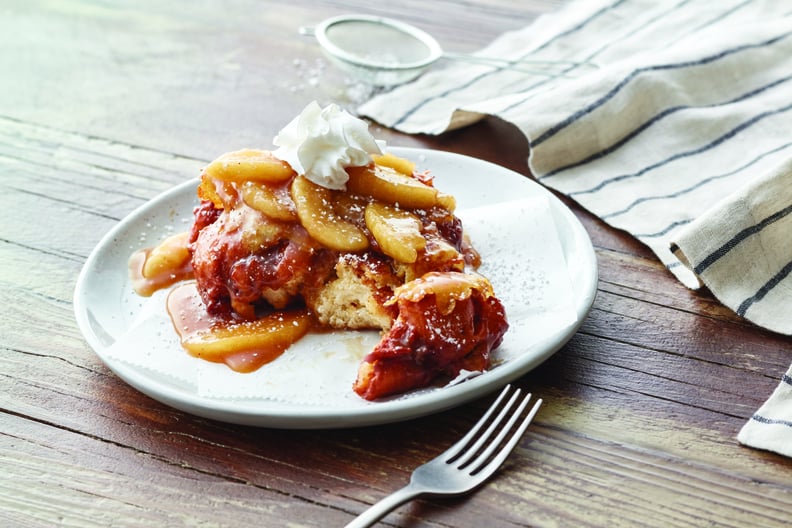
[(453, 472)]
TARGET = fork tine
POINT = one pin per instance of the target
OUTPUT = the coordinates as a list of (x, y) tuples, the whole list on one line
[(457, 448), (484, 471), (513, 416), (471, 451)]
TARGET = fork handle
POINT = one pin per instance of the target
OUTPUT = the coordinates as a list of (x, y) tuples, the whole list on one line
[(378, 510)]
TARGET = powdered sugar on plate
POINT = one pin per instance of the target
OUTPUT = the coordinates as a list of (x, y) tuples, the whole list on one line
[(533, 250)]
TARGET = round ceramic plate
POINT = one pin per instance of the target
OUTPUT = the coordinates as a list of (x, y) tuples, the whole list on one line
[(106, 308)]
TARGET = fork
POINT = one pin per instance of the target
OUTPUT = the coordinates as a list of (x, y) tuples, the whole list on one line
[(453, 472)]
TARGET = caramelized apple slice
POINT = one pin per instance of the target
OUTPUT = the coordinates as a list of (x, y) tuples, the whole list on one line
[(315, 209), (402, 165), (218, 192), (169, 257), (160, 267), (249, 165), (446, 201), (269, 337), (269, 201), (448, 288), (397, 232), (391, 186)]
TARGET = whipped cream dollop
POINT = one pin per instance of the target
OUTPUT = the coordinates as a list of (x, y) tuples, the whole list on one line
[(320, 142)]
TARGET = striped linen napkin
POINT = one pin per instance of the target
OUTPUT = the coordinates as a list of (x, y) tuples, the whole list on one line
[(671, 120)]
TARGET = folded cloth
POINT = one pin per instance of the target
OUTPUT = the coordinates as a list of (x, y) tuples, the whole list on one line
[(769, 426), (671, 120)]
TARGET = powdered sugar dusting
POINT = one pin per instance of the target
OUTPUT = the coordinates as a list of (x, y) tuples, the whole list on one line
[(521, 256)]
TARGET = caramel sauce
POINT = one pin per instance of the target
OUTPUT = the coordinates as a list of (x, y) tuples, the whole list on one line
[(244, 346), (252, 246), (146, 286)]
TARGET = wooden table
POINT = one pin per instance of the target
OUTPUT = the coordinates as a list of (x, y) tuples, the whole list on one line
[(103, 105)]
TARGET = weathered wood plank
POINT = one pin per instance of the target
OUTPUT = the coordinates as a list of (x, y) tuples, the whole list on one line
[(113, 104), (47, 483)]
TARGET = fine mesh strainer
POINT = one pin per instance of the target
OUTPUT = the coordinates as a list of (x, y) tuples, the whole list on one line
[(386, 52)]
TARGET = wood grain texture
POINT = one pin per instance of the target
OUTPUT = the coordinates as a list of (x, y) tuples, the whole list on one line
[(110, 104)]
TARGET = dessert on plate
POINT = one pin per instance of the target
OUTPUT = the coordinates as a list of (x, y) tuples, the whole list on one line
[(327, 231)]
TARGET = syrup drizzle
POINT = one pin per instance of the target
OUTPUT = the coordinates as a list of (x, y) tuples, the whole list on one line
[(244, 346)]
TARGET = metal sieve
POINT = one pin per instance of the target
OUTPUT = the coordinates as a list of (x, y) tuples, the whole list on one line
[(386, 52)]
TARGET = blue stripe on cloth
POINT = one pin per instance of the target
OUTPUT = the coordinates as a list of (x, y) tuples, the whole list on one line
[(556, 37), (716, 255), (718, 17), (665, 230), (770, 421), (638, 71), (718, 141), (697, 185), (786, 379), (657, 118), (764, 290)]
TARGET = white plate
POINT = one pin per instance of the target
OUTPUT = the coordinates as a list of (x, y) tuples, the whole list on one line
[(106, 308)]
